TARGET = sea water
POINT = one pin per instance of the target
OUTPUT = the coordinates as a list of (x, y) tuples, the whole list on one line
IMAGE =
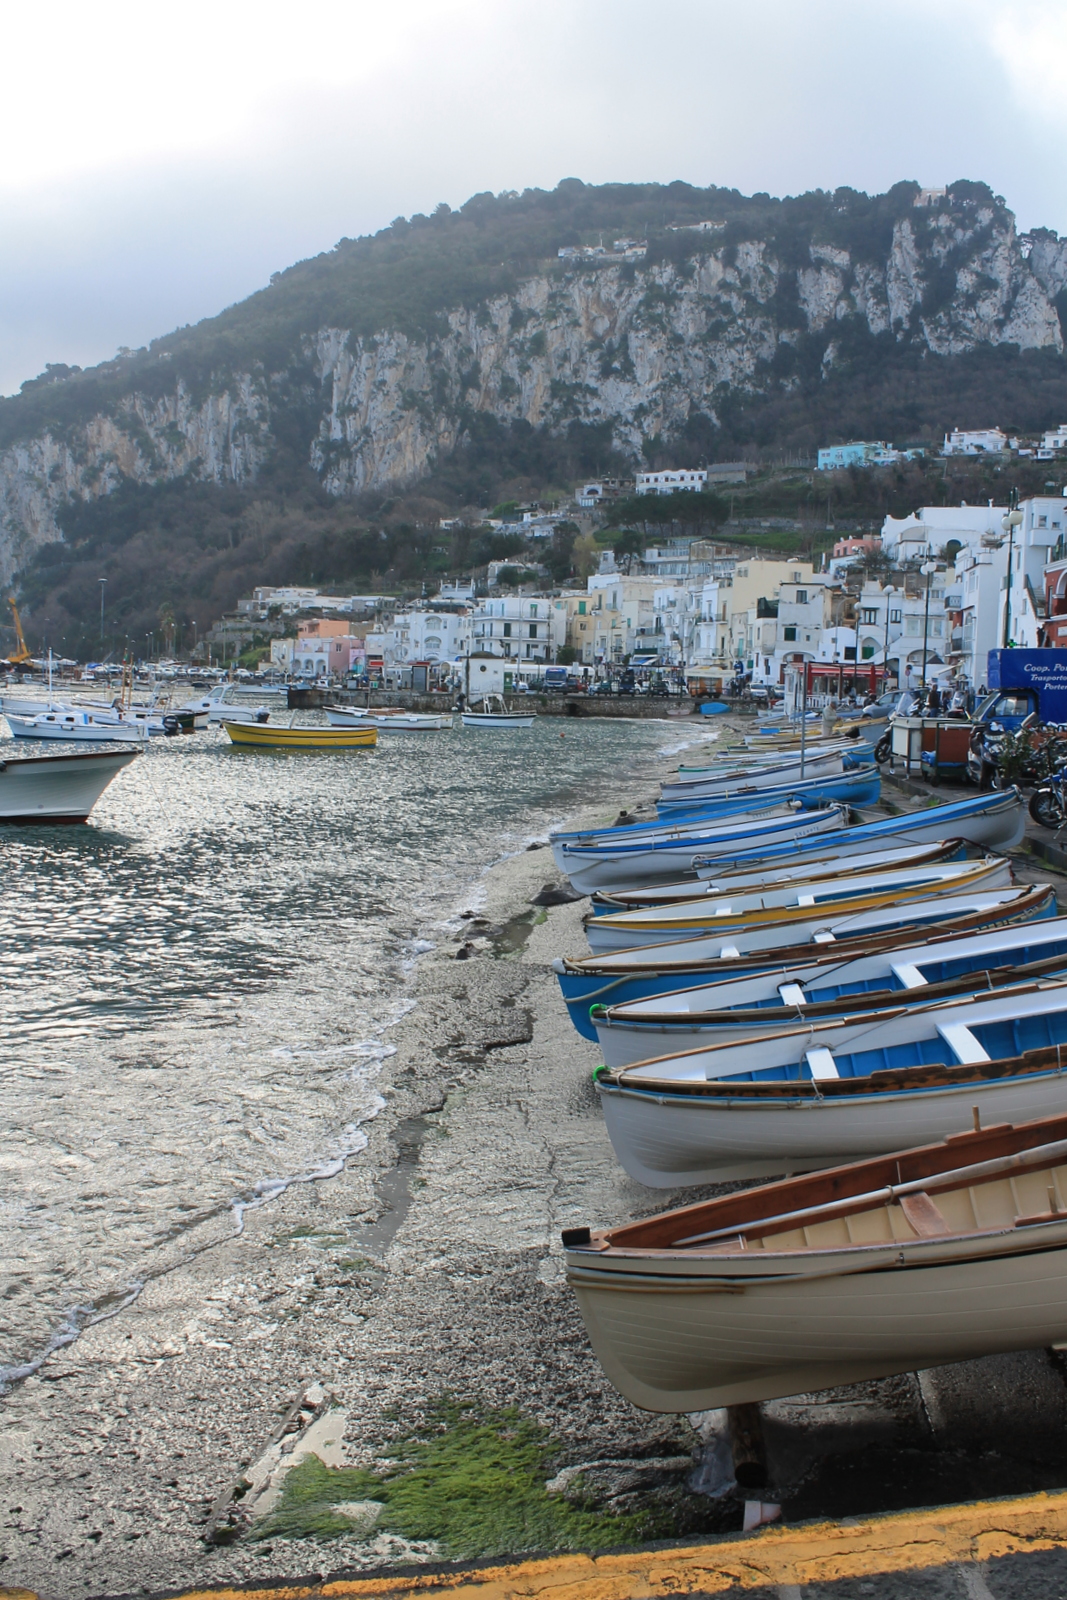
[(199, 984)]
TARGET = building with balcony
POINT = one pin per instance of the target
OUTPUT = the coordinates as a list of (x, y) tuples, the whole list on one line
[(518, 628)]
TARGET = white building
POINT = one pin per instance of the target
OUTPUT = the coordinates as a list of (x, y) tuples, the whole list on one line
[(518, 627), (429, 636), (1052, 442), (975, 599), (928, 530), (974, 441), (677, 481), (599, 493)]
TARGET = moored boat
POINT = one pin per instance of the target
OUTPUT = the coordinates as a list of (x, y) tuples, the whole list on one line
[(270, 736), (495, 714), (387, 720), (70, 726), (58, 788), (623, 975), (941, 1253), (814, 1094), (786, 913)]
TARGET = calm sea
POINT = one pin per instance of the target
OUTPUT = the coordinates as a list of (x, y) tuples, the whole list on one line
[(199, 985)]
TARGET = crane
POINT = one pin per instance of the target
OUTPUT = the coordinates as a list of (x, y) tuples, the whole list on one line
[(22, 653)]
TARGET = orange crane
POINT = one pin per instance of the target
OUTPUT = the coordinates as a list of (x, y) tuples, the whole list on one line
[(22, 653)]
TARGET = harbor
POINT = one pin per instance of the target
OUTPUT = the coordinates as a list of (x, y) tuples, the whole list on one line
[(335, 1120)]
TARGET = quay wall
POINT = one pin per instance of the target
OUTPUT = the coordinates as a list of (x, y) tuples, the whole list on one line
[(550, 705)]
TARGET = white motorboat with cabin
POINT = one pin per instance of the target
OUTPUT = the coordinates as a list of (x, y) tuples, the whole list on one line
[(223, 703), (76, 727)]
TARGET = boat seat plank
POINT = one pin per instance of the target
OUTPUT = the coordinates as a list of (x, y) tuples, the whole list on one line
[(822, 1064), (960, 1039), (909, 975), (792, 994), (924, 1215), (729, 952), (824, 936)]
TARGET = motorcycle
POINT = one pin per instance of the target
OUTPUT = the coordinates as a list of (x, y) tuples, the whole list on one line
[(998, 758), (1048, 803)]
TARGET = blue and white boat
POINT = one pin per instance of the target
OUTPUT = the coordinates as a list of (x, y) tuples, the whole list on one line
[(810, 865), (916, 974), (861, 786), (635, 974), (661, 850), (729, 777), (811, 1096), (793, 911)]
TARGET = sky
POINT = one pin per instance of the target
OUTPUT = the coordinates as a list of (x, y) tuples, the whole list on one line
[(158, 163)]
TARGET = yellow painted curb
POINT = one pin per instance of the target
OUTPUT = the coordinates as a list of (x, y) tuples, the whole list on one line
[(814, 1553)]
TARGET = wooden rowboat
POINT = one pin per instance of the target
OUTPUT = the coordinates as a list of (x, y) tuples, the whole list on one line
[(943, 1253), (268, 736)]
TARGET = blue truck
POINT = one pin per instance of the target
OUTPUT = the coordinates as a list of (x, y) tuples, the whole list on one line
[(1022, 682)]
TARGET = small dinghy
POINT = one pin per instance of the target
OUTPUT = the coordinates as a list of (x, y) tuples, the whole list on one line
[(387, 720), (943, 1253), (270, 736), (693, 790), (914, 975), (787, 913), (625, 975), (812, 1095), (812, 866), (494, 713)]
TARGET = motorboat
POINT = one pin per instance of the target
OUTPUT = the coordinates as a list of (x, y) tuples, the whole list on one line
[(76, 727), (494, 713), (785, 912), (663, 852), (57, 788), (995, 821), (814, 1094), (620, 976), (917, 974), (388, 720), (946, 1252), (811, 866), (271, 736), (221, 704)]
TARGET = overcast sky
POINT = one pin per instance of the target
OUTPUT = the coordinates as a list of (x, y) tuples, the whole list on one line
[(158, 163)]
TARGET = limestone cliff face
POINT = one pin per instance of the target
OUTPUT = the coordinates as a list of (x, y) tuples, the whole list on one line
[(638, 347)]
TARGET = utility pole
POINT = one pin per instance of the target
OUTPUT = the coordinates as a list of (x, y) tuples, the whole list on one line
[(929, 568), (1009, 522)]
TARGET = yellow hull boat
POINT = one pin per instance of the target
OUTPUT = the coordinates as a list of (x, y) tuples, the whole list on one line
[(267, 736)]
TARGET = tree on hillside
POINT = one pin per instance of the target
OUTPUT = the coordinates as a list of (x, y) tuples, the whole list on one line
[(629, 547)]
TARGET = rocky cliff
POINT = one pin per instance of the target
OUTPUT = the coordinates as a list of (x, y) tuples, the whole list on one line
[(640, 346)]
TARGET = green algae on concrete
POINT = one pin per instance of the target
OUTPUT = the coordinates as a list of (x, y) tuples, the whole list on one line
[(473, 1482)]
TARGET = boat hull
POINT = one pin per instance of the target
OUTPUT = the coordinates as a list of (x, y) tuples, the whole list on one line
[(672, 1141), (265, 736), (672, 1343), (57, 789), (480, 719), (399, 722)]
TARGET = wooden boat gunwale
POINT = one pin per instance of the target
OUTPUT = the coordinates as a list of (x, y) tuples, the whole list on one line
[(266, 736)]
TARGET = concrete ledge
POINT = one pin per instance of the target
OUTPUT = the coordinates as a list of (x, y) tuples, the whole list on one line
[(1054, 854), (775, 1557)]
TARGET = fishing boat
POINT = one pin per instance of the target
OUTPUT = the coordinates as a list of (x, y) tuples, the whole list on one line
[(947, 1252), (811, 1095), (615, 978), (809, 866), (784, 914), (694, 789), (620, 858), (57, 788), (917, 974), (387, 720), (995, 821), (495, 714), (270, 736), (76, 727)]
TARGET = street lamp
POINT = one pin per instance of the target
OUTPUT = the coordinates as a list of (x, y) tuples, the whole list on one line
[(928, 568), (1009, 522), (101, 582)]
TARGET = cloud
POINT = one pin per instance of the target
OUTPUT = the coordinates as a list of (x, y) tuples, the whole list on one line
[(156, 165)]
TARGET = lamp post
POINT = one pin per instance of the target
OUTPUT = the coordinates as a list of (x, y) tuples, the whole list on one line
[(929, 568), (101, 582), (1009, 522)]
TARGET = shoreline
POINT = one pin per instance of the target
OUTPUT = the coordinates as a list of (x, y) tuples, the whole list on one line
[(149, 1416)]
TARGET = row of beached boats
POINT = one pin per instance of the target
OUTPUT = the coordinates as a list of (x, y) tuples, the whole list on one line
[(871, 1011)]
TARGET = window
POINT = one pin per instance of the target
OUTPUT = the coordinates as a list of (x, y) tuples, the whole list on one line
[(581, 608), (798, 577), (533, 630), (742, 572), (802, 597), (894, 616), (507, 630), (868, 616), (789, 634), (533, 610)]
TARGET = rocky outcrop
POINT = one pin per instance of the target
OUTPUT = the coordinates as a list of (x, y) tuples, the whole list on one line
[(638, 347)]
